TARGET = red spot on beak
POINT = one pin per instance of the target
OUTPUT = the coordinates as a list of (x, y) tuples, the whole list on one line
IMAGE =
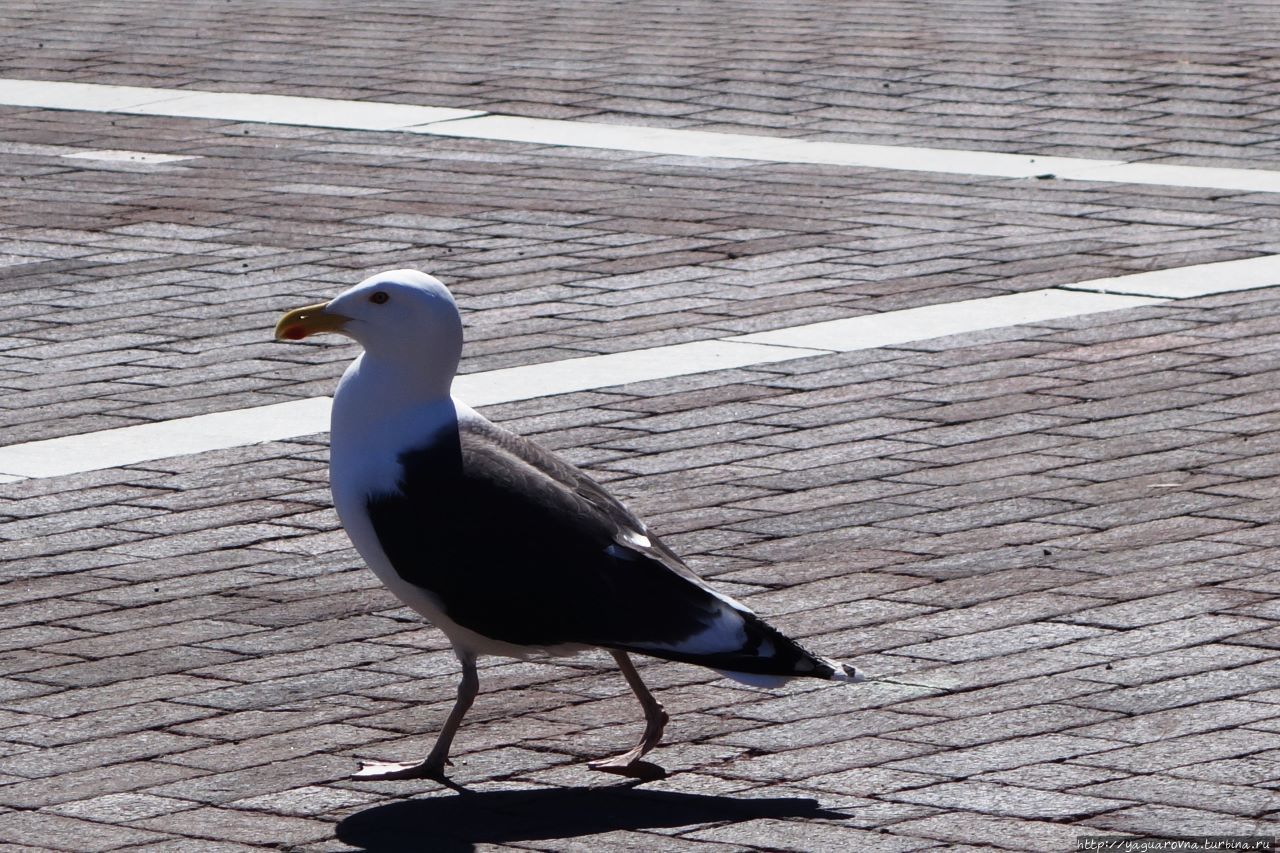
[(295, 333)]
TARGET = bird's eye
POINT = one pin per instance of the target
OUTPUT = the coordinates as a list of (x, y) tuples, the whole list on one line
[(379, 297)]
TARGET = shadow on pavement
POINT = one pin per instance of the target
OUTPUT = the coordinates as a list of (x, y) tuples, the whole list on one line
[(458, 823)]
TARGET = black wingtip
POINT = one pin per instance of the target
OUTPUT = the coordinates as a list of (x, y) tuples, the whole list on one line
[(850, 674)]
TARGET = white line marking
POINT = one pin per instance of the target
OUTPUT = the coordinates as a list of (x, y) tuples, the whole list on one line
[(230, 106), (700, 143), (951, 318), (474, 124), (91, 97), (112, 448), (621, 368), (1198, 280), (309, 112), (113, 156), (1169, 175)]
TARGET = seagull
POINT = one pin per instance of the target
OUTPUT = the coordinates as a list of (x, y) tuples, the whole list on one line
[(500, 543)]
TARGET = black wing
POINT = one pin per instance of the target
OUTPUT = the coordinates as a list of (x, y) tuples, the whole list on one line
[(521, 546)]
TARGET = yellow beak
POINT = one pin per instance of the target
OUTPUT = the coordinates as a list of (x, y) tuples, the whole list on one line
[(311, 320)]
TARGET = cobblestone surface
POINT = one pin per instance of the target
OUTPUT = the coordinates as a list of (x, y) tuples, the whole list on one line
[(1053, 544)]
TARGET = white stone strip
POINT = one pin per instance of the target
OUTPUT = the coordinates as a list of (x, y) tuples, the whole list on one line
[(603, 371), (474, 124), (1198, 280), (951, 318), (90, 97), (117, 156), (1171, 175), (229, 106), (307, 112), (739, 146), (112, 448)]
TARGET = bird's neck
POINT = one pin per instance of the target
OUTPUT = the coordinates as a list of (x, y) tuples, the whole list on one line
[(374, 393)]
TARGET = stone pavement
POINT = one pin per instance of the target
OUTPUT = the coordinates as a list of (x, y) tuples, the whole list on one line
[(1053, 544)]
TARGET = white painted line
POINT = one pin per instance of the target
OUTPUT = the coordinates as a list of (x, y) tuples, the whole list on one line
[(621, 368), (113, 156), (952, 318), (699, 143), (308, 112), (942, 160), (91, 97), (615, 137), (130, 445), (474, 124), (1198, 280), (1170, 175), (230, 106)]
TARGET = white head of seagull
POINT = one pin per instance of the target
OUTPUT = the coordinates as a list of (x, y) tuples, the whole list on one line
[(405, 320)]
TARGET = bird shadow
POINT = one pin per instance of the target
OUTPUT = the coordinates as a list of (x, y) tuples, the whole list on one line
[(460, 822)]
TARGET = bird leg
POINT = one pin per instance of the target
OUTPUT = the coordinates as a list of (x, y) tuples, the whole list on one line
[(432, 767), (655, 720)]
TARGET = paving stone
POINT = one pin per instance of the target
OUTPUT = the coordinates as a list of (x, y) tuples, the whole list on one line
[(1256, 772), (86, 784), (1163, 608), (287, 690), (1009, 800), (258, 780), (805, 762), (1169, 635), (1005, 832), (986, 728), (1149, 669), (1177, 692), (1181, 751), (274, 747), (68, 833), (43, 731), (986, 644), (122, 808), (243, 826), (796, 835), (1051, 776), (1198, 794), (1154, 819), (80, 756), (1002, 755), (1171, 723)]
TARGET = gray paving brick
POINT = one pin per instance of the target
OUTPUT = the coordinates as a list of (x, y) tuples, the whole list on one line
[(81, 756), (122, 808), (1179, 752), (1007, 833), (1010, 800), (1003, 755), (1199, 794), (1147, 819), (798, 835), (68, 833), (245, 827)]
